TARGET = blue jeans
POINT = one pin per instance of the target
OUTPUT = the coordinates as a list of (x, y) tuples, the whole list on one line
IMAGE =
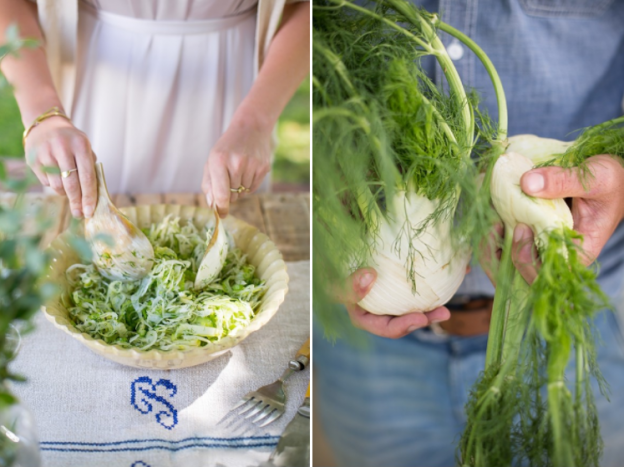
[(397, 403)]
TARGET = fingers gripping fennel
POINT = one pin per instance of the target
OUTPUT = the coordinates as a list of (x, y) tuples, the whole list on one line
[(513, 206)]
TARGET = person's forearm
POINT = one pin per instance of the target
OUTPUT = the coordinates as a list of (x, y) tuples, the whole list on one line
[(286, 64), (28, 73)]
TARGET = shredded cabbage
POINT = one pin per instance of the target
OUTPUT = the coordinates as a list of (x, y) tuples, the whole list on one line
[(163, 310)]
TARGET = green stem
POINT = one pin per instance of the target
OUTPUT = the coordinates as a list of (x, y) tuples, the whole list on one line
[(365, 199), (441, 121), (456, 86), (489, 66), (443, 124), (457, 90), (368, 206), (518, 316), (580, 362), (338, 65), (436, 48), (613, 121), (504, 279), (393, 25)]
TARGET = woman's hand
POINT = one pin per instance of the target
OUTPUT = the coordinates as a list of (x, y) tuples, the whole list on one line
[(393, 327), (597, 209), (241, 158), (56, 143)]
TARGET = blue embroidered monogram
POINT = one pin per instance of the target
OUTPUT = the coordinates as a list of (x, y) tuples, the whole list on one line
[(140, 464), (144, 384)]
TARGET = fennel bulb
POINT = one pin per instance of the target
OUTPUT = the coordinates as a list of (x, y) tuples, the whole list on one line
[(437, 267), (523, 393), (537, 149), (394, 184), (514, 206)]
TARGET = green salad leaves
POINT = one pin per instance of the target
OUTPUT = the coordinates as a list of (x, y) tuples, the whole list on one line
[(163, 311)]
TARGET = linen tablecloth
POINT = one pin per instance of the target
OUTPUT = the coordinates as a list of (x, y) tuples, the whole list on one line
[(91, 412)]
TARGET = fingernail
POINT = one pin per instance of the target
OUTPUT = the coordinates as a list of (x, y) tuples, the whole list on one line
[(534, 182), (88, 213), (366, 279), (76, 213), (435, 321), (413, 328), (209, 199), (520, 232)]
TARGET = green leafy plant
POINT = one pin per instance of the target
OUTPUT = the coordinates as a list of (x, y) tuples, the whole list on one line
[(22, 260), (22, 266)]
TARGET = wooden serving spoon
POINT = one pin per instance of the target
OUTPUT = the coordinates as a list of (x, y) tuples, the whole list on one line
[(120, 250), (214, 256)]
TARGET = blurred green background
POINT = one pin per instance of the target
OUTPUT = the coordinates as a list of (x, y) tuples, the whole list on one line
[(11, 134), (292, 157)]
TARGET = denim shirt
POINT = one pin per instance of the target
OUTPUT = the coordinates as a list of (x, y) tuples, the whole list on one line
[(561, 63)]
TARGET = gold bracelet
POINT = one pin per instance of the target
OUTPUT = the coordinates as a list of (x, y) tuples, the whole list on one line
[(53, 112)]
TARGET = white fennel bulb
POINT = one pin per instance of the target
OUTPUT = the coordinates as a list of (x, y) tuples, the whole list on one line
[(438, 268), (537, 149), (515, 207)]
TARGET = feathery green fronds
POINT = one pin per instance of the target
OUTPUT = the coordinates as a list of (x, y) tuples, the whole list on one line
[(380, 126)]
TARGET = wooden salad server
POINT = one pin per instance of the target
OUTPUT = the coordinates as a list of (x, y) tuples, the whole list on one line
[(215, 254), (120, 250)]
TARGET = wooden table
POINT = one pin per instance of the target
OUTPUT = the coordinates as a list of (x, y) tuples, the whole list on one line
[(284, 217)]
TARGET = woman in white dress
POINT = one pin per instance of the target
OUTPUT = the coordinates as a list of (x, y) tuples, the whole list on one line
[(171, 95)]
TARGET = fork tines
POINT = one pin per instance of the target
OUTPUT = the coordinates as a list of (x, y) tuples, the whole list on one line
[(252, 405)]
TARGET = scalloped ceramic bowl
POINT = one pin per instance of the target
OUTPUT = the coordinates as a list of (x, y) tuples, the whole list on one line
[(261, 252)]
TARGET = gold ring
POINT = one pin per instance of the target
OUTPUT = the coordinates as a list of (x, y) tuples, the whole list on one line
[(239, 190), (67, 173)]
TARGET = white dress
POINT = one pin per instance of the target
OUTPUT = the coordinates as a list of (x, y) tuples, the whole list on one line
[(157, 83)]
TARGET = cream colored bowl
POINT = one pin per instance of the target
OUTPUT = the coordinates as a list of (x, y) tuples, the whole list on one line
[(261, 252)]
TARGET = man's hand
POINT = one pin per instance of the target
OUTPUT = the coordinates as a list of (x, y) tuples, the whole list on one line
[(362, 282), (597, 210)]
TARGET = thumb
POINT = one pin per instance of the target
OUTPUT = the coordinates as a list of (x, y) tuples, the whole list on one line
[(553, 182), (358, 285)]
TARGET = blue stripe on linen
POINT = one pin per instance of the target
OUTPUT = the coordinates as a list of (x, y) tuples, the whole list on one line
[(160, 444)]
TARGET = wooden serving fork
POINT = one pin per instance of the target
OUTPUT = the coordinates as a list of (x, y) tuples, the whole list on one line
[(120, 250)]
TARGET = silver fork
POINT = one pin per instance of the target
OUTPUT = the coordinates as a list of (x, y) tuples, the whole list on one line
[(269, 402)]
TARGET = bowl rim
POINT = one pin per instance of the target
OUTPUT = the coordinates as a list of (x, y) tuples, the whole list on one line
[(232, 224)]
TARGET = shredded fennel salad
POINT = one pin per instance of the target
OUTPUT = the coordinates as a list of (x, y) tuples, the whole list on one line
[(163, 311)]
